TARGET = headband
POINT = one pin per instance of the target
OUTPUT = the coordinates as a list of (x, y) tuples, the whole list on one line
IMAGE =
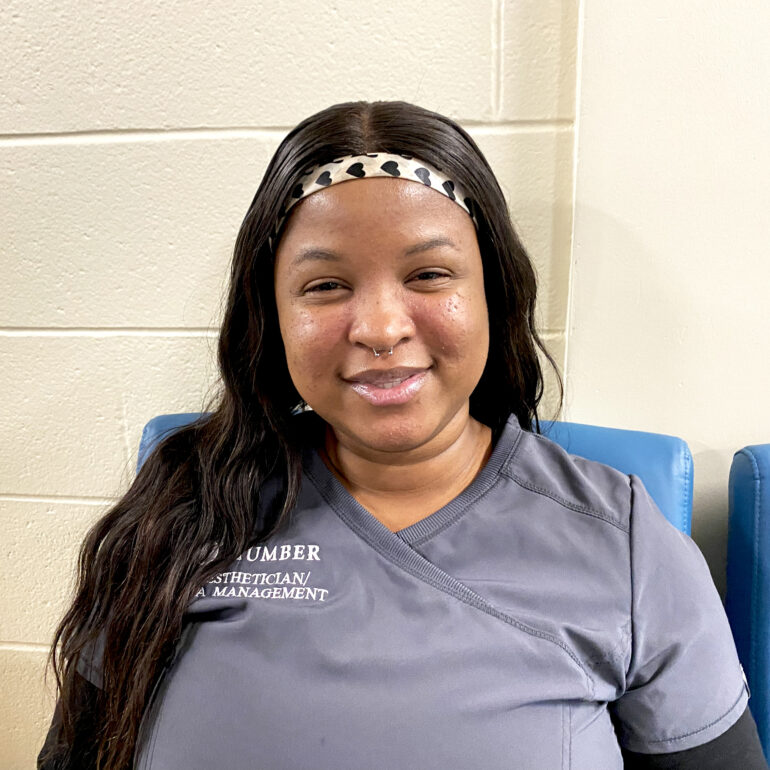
[(352, 167)]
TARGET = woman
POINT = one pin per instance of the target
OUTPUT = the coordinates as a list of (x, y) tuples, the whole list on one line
[(364, 557)]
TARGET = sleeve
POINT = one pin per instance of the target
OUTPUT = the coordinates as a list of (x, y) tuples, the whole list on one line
[(684, 685), (81, 755)]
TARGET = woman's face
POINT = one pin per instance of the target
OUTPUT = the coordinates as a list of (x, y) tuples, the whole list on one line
[(374, 264)]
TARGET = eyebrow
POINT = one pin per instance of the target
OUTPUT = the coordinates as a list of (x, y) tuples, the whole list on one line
[(326, 255)]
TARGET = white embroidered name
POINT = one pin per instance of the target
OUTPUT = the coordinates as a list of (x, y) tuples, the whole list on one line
[(282, 553)]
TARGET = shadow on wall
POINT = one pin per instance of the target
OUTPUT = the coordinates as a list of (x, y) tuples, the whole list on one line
[(711, 503)]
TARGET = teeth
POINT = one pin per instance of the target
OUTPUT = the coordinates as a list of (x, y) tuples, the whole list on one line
[(389, 384)]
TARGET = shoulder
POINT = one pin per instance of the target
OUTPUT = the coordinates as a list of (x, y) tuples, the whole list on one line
[(584, 486)]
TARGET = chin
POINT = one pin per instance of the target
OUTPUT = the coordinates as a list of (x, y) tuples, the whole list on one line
[(390, 434)]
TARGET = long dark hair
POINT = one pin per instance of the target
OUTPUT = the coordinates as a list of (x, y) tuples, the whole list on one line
[(190, 511)]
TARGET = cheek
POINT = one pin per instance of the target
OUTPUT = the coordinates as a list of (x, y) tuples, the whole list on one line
[(308, 337), (460, 327)]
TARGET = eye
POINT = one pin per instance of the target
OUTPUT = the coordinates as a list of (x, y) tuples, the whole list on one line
[(326, 286), (428, 276)]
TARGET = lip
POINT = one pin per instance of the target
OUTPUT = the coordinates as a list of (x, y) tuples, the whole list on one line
[(388, 387), (381, 377)]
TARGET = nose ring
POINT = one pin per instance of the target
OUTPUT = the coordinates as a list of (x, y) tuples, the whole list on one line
[(378, 353)]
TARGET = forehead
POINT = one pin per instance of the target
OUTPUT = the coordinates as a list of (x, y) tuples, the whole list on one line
[(353, 208)]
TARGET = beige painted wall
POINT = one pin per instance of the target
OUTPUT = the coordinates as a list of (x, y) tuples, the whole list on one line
[(669, 327), (132, 138)]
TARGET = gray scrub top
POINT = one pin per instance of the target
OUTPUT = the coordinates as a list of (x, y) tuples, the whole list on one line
[(542, 617)]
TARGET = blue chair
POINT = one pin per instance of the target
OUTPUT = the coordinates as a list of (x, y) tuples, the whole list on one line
[(158, 428), (663, 463), (748, 575)]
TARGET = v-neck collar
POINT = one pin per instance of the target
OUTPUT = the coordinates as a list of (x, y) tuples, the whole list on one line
[(399, 547), (351, 511)]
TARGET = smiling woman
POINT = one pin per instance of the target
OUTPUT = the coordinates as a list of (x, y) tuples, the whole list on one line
[(386, 264), (366, 555)]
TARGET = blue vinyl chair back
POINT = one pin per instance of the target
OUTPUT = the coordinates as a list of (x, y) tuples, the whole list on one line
[(663, 463), (748, 575)]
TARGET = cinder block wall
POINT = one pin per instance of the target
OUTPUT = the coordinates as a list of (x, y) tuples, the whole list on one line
[(132, 138)]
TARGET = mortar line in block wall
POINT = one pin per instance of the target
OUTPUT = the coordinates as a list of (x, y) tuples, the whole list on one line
[(498, 69), (128, 136), (23, 647), (96, 502), (571, 288), (97, 331)]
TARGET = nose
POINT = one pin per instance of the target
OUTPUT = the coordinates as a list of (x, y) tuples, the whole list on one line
[(381, 319)]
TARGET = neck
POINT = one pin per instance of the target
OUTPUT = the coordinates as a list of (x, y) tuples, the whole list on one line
[(438, 469)]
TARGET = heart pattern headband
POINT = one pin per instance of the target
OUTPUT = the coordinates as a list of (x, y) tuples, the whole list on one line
[(352, 167)]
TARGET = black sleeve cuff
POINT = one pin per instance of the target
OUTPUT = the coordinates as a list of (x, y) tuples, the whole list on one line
[(56, 754), (738, 748)]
